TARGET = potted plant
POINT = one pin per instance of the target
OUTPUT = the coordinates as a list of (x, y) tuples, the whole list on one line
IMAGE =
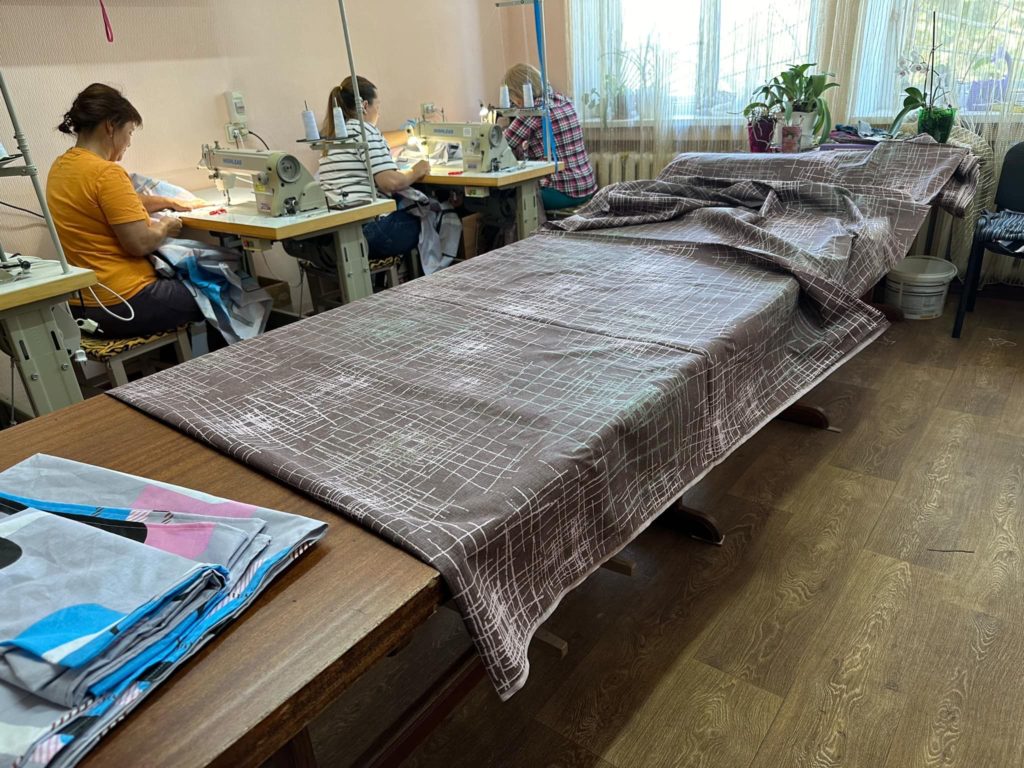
[(760, 125), (936, 121), (800, 97)]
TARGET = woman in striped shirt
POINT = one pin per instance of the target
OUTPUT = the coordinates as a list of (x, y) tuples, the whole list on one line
[(343, 171), (574, 183)]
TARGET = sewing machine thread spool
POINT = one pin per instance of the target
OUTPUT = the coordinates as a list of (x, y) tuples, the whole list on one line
[(503, 101), (528, 95), (309, 124), (340, 129)]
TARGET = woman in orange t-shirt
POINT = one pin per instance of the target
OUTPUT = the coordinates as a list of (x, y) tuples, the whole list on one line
[(105, 226)]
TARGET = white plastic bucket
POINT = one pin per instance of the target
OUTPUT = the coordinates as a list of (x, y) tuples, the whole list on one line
[(919, 285)]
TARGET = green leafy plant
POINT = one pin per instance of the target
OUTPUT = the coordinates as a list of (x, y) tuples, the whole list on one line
[(634, 79), (756, 111), (794, 90)]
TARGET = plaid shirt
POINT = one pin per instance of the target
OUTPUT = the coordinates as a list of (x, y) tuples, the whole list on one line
[(575, 177)]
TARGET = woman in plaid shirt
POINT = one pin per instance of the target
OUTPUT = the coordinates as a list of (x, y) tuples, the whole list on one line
[(574, 183)]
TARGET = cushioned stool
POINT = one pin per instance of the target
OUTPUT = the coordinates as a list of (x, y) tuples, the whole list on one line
[(114, 353)]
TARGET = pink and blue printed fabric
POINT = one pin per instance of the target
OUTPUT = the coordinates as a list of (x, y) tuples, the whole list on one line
[(67, 554)]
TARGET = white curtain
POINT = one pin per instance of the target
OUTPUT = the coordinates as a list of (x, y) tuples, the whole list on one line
[(654, 77)]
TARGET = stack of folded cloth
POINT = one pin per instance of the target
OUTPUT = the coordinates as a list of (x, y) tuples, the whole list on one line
[(108, 582)]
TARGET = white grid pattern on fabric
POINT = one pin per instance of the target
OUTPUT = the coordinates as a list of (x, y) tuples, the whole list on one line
[(516, 419)]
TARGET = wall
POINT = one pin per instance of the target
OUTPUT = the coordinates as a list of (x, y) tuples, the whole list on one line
[(519, 40), (175, 58)]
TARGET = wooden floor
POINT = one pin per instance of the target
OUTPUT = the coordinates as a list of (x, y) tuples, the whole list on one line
[(867, 608)]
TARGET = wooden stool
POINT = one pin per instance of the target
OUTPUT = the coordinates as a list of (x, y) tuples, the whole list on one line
[(114, 353)]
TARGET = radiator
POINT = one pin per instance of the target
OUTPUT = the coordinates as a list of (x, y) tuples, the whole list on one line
[(612, 167)]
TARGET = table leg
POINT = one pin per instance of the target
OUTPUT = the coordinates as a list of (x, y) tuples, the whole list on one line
[(30, 334), (527, 215), (353, 262), (297, 753)]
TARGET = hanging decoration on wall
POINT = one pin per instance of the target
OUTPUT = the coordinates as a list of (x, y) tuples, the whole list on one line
[(107, 28)]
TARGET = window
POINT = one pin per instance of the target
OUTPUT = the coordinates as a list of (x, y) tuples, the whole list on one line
[(685, 58), (980, 47)]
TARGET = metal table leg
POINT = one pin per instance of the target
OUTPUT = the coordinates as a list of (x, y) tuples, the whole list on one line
[(527, 215), (353, 262), (30, 334)]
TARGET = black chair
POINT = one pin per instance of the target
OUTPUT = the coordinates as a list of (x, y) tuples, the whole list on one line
[(1004, 224)]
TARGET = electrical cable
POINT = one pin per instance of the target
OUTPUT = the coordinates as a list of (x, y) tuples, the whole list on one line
[(131, 310), (23, 210), (11, 421), (253, 133)]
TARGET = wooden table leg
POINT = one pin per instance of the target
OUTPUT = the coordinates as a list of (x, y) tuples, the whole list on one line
[(695, 523), (297, 753), (808, 415), (620, 564), (426, 713)]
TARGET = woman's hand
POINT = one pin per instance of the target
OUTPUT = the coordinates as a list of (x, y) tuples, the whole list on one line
[(172, 226), (183, 206), (421, 169), (155, 203)]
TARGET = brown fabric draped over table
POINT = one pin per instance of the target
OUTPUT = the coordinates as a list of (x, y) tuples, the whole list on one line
[(516, 420)]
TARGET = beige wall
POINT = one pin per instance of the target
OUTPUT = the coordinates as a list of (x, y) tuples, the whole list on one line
[(519, 40), (175, 58)]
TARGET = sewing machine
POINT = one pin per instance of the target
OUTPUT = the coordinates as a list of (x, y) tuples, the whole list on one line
[(484, 148), (281, 183)]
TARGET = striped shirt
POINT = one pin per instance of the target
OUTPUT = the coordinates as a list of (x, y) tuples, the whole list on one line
[(575, 177), (343, 171)]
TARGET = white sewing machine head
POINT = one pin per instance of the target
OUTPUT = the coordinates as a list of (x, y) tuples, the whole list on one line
[(484, 149), (281, 183)]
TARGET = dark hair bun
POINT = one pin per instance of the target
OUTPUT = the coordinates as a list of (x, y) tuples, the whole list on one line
[(98, 104)]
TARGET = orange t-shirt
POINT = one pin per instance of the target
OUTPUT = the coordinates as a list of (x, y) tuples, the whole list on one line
[(87, 195)]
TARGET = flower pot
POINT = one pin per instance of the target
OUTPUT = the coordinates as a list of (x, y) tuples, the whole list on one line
[(791, 138), (759, 134), (937, 122), (805, 120)]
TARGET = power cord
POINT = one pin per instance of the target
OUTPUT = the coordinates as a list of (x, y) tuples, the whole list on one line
[(23, 210), (131, 310), (12, 420), (253, 133)]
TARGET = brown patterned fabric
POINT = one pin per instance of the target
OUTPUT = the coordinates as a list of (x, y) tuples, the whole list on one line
[(102, 350), (544, 402)]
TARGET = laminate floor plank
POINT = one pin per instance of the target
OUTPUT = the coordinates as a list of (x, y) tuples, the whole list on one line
[(764, 632)]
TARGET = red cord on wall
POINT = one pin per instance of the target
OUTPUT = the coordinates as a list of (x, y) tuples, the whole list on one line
[(106, 23)]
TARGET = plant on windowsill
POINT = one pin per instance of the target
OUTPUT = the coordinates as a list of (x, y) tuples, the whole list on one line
[(936, 121), (800, 98), (761, 117)]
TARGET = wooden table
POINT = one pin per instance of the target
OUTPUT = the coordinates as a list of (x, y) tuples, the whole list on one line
[(259, 232), (31, 335), (524, 179), (350, 600)]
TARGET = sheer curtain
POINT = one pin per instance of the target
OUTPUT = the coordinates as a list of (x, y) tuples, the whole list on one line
[(655, 77)]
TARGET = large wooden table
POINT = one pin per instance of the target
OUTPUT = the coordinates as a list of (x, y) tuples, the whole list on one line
[(347, 602)]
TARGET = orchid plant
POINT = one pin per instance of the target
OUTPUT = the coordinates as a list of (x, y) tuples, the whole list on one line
[(914, 65)]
